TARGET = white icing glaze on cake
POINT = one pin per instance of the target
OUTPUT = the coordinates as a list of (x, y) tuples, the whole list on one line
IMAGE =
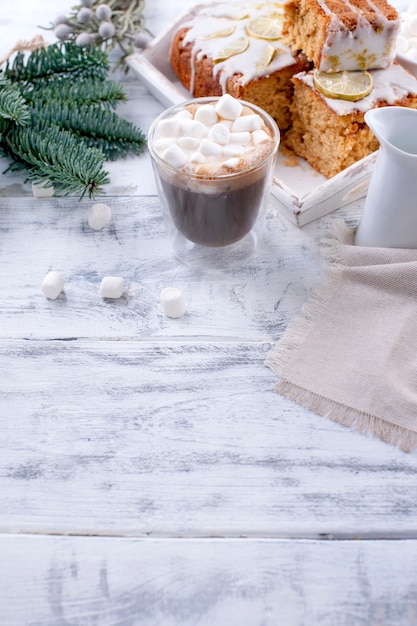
[(218, 18), (389, 85), (363, 48)]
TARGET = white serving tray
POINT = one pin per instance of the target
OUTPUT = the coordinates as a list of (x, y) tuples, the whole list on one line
[(299, 191)]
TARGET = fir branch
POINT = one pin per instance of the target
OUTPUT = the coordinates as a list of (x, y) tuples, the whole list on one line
[(55, 155), (89, 91), (99, 128), (58, 61), (13, 106), (70, 128)]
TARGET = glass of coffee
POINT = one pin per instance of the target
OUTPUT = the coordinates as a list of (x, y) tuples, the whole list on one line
[(213, 160)]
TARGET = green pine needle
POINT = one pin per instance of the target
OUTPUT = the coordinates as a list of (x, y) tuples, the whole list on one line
[(56, 155), (99, 128), (89, 91), (12, 104), (56, 120), (58, 61)]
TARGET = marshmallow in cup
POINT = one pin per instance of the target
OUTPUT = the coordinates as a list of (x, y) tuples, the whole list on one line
[(204, 137), (213, 161), (407, 38)]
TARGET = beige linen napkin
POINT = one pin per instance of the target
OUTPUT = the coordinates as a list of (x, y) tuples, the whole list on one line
[(351, 355)]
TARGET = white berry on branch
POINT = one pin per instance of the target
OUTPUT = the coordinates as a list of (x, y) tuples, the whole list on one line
[(84, 39), (63, 31), (107, 24), (106, 30), (103, 12), (84, 15), (60, 19)]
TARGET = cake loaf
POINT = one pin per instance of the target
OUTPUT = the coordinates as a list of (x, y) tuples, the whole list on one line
[(330, 133), (340, 35), (238, 49)]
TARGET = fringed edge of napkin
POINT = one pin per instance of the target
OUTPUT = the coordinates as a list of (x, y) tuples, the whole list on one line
[(364, 423), (281, 355)]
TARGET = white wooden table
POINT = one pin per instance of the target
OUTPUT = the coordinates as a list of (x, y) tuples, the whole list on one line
[(149, 474)]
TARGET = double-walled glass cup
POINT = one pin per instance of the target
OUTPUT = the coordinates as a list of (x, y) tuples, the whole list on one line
[(214, 221)]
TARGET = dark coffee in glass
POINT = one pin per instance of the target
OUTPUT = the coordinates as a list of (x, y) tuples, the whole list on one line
[(214, 182)]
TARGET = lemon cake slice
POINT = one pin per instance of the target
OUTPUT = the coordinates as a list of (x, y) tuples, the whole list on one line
[(330, 132), (340, 35), (237, 48)]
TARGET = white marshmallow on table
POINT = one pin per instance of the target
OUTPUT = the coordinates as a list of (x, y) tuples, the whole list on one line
[(247, 123), (112, 287), (52, 285), (206, 114), (98, 216), (172, 302), (219, 133), (40, 191), (228, 107)]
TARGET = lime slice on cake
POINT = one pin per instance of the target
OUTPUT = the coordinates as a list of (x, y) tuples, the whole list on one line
[(234, 47), (264, 28), (266, 57), (346, 85), (224, 30)]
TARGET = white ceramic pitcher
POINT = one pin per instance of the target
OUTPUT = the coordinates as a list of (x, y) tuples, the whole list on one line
[(389, 217)]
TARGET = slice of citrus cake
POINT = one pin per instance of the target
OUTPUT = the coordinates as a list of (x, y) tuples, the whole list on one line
[(330, 132), (237, 48), (342, 34)]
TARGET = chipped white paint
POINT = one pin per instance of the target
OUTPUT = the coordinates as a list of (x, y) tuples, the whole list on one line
[(165, 439)]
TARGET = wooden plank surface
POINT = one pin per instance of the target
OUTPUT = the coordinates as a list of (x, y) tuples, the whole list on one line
[(253, 303), (90, 581), (209, 496), (183, 439)]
